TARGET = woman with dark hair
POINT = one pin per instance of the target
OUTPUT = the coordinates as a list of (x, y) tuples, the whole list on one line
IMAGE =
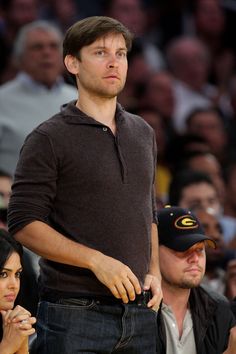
[(16, 323)]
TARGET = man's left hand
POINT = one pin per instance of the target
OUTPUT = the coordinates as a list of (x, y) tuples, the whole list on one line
[(153, 283)]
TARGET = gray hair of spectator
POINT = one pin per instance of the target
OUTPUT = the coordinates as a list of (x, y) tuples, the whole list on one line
[(88, 30), (20, 42), (173, 49)]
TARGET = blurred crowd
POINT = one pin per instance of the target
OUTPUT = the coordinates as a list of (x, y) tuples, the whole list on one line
[(181, 80)]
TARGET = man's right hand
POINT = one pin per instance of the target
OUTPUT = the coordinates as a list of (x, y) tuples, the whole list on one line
[(115, 275)]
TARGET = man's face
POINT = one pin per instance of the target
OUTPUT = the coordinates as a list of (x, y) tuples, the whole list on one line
[(209, 164), (42, 58), (200, 196), (5, 191), (212, 229), (130, 13), (182, 270), (102, 67), (191, 65), (22, 12), (209, 126), (160, 94)]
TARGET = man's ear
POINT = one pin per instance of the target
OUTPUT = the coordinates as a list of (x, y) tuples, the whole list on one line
[(72, 64)]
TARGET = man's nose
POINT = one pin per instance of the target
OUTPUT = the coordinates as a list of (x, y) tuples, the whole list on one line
[(112, 60), (194, 256)]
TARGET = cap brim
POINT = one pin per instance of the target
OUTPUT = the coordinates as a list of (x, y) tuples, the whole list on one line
[(183, 243)]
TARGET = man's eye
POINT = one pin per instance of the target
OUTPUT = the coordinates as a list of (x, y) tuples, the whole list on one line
[(200, 250), (100, 53), (122, 54)]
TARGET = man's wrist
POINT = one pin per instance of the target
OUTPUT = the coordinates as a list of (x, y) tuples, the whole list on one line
[(94, 259)]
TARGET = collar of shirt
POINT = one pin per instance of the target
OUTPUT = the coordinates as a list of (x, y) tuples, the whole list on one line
[(37, 86)]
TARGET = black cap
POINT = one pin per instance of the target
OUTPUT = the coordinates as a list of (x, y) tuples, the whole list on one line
[(179, 229)]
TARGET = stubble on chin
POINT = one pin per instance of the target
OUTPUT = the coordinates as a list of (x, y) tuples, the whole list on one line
[(189, 283), (184, 283)]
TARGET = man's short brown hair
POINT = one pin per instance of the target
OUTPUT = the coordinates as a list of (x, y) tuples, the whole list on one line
[(88, 30)]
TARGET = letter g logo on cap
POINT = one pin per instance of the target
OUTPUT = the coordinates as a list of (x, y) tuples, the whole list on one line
[(186, 222)]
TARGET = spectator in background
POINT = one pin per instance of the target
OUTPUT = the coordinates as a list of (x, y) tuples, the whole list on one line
[(195, 189), (181, 145), (163, 176), (209, 24), (144, 58), (91, 7), (207, 163), (192, 319), (132, 13), (36, 92), (230, 185), (16, 14), (209, 124), (159, 95), (62, 13), (216, 276), (189, 61), (138, 74), (5, 192)]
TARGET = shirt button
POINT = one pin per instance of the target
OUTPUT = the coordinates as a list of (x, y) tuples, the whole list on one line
[(104, 129)]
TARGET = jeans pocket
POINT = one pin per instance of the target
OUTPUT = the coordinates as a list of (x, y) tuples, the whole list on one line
[(80, 302)]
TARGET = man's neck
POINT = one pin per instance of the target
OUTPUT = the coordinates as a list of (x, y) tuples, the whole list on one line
[(101, 109), (177, 299)]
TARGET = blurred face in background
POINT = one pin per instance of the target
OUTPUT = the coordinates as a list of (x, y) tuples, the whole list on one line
[(209, 18), (5, 191), (209, 126), (190, 62), (200, 196), (212, 229), (130, 13), (22, 12), (160, 94), (42, 58), (155, 120), (208, 164)]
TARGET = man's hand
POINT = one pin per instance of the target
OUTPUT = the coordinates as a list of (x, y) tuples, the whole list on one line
[(118, 277), (232, 342), (153, 283)]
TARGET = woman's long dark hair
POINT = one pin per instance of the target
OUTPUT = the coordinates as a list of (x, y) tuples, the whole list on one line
[(8, 245)]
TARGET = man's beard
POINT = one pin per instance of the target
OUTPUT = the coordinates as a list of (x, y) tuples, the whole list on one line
[(184, 283)]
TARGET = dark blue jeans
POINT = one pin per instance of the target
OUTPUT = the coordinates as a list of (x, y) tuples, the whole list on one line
[(87, 326)]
